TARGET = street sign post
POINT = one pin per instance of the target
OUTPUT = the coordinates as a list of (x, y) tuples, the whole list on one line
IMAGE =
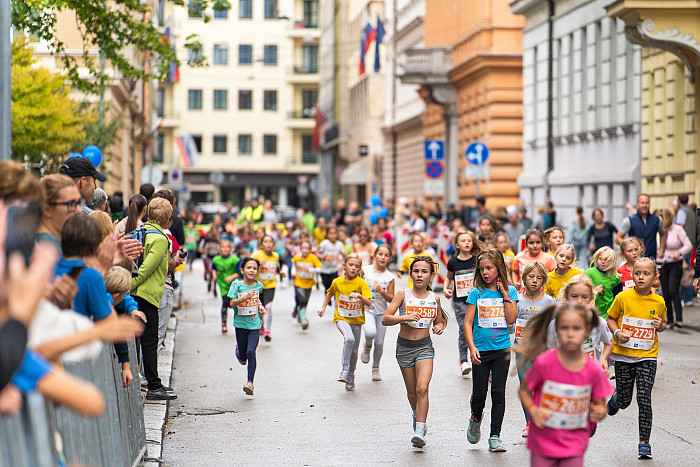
[(477, 154), (175, 177), (434, 169), (434, 149), (152, 173), (433, 187)]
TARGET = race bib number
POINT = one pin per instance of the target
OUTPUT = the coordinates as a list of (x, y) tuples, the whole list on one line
[(588, 348), (464, 283), (249, 306), (642, 331), (568, 405), (333, 259), (268, 271), (492, 313), (304, 270), (349, 307), (628, 284), (427, 315), (520, 324)]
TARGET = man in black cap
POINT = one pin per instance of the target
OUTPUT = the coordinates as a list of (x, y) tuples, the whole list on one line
[(85, 176)]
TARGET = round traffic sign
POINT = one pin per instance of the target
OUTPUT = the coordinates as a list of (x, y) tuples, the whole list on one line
[(477, 153), (216, 178), (434, 169), (152, 173)]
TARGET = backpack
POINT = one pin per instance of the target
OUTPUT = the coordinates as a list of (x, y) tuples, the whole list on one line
[(140, 235)]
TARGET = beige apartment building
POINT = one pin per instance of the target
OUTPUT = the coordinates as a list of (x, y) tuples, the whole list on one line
[(250, 112)]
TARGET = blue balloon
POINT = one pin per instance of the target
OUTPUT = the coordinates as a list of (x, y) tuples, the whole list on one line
[(75, 154), (376, 200), (383, 212), (373, 218), (93, 153)]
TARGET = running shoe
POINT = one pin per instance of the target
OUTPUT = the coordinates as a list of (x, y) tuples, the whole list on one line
[(612, 405), (414, 421), (496, 445), (304, 325), (295, 312), (268, 337), (350, 385), (526, 431), (365, 354), (611, 368), (466, 368), (474, 430), (343, 376), (418, 440), (248, 388), (242, 362), (679, 324), (644, 451), (375, 374), (224, 329)]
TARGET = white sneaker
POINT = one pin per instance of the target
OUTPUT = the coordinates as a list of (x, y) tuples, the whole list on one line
[(365, 354), (466, 368)]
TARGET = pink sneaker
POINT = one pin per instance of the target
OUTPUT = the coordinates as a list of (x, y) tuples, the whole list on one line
[(248, 388)]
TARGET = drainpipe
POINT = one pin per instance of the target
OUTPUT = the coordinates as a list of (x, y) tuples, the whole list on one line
[(550, 96)]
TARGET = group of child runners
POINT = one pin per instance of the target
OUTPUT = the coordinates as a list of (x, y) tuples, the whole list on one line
[(571, 330)]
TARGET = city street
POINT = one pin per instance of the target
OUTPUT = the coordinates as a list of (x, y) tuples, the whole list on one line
[(301, 416)]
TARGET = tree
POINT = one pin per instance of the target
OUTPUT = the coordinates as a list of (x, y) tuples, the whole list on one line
[(46, 122), (110, 26)]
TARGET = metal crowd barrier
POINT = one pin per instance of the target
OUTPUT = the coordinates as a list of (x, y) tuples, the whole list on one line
[(117, 438)]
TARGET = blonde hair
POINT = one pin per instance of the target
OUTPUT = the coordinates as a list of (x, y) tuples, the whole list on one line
[(118, 280), (606, 253), (577, 279), (104, 222), (645, 260), (568, 247), (159, 211), (477, 245), (352, 256), (630, 240), (540, 269)]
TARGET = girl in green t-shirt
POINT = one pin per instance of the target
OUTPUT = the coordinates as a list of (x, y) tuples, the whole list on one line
[(604, 276)]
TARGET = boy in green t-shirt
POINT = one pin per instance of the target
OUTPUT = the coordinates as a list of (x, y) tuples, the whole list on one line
[(225, 271), (191, 242)]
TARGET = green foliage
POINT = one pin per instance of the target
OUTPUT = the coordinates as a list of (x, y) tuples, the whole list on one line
[(110, 26), (46, 122)]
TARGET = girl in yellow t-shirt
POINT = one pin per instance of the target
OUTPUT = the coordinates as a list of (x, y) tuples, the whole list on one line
[(564, 257), (267, 274), (352, 295), (417, 243), (635, 318), (306, 265)]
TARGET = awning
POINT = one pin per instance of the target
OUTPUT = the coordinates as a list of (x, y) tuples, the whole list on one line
[(355, 173)]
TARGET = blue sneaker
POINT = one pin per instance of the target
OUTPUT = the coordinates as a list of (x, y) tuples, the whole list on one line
[(612, 405), (644, 451), (496, 445), (418, 440), (474, 430)]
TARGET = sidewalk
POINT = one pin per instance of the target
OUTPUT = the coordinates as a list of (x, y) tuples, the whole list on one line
[(691, 317), (155, 413)]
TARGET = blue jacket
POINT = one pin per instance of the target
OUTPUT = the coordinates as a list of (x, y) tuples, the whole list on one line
[(646, 231)]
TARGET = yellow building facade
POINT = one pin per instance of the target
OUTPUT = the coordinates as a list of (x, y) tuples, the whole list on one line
[(669, 32)]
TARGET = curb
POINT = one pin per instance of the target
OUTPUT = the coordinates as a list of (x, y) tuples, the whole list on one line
[(155, 413)]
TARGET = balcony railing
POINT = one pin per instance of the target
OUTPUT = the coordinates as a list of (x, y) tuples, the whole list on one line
[(309, 112), (304, 70), (426, 65), (304, 24)]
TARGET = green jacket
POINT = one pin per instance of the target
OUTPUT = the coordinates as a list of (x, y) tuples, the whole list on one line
[(150, 282)]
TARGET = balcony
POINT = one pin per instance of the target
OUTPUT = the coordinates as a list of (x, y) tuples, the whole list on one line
[(169, 119), (303, 75), (426, 66), (303, 29), (302, 119)]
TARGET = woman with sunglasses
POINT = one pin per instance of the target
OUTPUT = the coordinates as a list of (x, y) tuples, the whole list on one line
[(61, 202)]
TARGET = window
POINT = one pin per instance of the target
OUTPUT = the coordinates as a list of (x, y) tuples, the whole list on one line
[(270, 55), (194, 56), (270, 9), (245, 146), (161, 15), (309, 98), (310, 13), (220, 99), (198, 142), (220, 54), (245, 54), (220, 14), (160, 143), (245, 9), (160, 101), (245, 99), (194, 99), (219, 144), (270, 144), (310, 58), (308, 156), (196, 8), (270, 100)]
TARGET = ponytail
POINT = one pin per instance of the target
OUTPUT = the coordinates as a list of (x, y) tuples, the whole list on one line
[(137, 203), (534, 341), (579, 217)]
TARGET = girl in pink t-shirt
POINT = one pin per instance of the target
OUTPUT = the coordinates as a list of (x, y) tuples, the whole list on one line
[(564, 389), (534, 239)]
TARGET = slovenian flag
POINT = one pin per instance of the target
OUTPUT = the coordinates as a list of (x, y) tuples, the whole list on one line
[(173, 68), (188, 150), (366, 38), (379, 38)]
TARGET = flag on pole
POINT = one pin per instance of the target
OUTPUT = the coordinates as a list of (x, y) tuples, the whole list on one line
[(173, 68), (320, 123), (366, 38), (379, 38), (188, 150)]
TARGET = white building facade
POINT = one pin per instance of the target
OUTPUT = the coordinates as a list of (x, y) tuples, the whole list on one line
[(251, 110), (596, 98)]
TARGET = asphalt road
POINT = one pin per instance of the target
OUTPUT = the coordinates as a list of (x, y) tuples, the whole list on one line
[(300, 415)]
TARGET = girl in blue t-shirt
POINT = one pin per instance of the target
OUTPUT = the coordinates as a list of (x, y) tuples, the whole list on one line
[(245, 301), (491, 309)]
